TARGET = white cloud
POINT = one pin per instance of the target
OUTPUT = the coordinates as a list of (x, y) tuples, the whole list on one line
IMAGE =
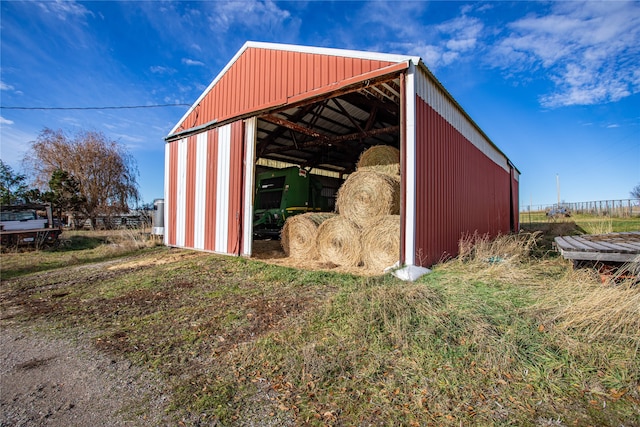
[(4, 86), (4, 121), (64, 9), (589, 50), (158, 69), (15, 144), (451, 40), (257, 15), (187, 61)]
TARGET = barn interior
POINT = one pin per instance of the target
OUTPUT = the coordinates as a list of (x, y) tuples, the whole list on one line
[(326, 135)]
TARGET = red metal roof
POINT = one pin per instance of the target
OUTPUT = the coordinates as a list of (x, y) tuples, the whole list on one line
[(263, 76)]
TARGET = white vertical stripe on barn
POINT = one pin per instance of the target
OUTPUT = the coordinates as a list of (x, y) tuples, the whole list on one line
[(250, 144), (410, 169), (166, 194), (181, 196), (201, 190), (222, 199)]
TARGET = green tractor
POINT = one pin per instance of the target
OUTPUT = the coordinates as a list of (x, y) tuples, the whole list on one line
[(282, 193)]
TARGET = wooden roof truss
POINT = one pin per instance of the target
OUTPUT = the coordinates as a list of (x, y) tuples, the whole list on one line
[(332, 131)]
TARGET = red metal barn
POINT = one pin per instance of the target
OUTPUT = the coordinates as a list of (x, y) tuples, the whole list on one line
[(280, 105)]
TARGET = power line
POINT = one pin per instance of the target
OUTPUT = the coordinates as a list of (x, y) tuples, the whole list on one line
[(122, 107)]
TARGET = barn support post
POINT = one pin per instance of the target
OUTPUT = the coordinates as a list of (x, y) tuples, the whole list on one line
[(250, 126), (408, 165)]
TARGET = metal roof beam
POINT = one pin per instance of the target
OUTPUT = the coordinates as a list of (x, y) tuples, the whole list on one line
[(294, 126), (347, 115), (323, 140)]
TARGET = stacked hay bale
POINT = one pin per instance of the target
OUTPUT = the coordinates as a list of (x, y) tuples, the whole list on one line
[(368, 194), (366, 230), (298, 236), (381, 158), (339, 242), (381, 242)]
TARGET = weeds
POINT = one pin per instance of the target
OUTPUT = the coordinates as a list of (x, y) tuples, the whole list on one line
[(494, 337)]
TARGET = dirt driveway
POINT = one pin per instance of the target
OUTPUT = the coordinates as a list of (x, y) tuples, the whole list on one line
[(57, 382)]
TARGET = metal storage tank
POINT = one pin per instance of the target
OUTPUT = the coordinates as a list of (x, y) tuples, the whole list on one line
[(158, 217), (319, 108)]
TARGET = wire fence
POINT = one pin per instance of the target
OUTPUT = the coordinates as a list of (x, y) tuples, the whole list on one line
[(624, 208)]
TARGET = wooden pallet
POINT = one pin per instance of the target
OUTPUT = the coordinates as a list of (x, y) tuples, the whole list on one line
[(612, 247)]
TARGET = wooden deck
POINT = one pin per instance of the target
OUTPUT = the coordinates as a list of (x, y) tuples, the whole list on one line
[(612, 247)]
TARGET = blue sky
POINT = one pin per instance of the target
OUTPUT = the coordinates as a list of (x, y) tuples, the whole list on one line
[(556, 85)]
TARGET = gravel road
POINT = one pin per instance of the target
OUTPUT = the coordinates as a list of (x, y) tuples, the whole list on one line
[(48, 381)]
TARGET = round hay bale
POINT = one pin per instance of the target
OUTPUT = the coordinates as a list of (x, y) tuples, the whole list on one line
[(367, 194), (390, 169), (338, 242), (381, 243), (298, 236), (379, 155)]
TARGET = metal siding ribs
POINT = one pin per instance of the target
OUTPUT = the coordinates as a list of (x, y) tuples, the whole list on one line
[(212, 194), (190, 190), (205, 188), (201, 191), (172, 194), (222, 185), (262, 77), (235, 188), (459, 189)]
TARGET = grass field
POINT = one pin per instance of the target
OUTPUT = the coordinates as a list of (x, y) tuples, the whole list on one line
[(587, 224), (495, 337)]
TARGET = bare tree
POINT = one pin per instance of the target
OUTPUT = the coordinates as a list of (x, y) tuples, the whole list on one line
[(105, 172), (635, 193)]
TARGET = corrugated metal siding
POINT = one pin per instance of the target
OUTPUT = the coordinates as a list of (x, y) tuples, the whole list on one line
[(222, 188), (200, 192), (167, 183), (515, 200), (172, 192), (266, 77), (204, 191), (212, 194), (458, 188), (190, 192), (234, 243), (181, 189), (433, 95)]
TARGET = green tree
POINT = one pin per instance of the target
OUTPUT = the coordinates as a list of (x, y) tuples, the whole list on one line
[(64, 194), (13, 186)]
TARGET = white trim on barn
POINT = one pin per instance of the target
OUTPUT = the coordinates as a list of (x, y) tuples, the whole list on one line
[(181, 192), (410, 170), (200, 190), (249, 184), (165, 235)]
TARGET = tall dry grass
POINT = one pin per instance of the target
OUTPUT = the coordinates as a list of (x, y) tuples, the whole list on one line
[(581, 304), (503, 258), (575, 303), (130, 240)]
